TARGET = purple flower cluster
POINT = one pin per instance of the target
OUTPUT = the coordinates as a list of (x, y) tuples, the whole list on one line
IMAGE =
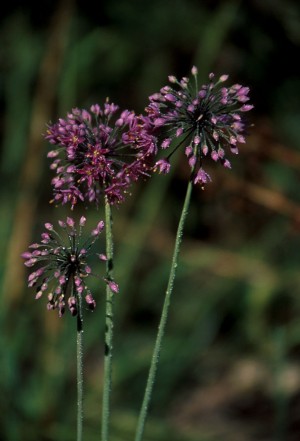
[(98, 153), (101, 152), (62, 265), (210, 119)]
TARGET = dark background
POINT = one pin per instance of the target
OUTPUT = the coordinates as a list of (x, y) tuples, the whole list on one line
[(230, 363)]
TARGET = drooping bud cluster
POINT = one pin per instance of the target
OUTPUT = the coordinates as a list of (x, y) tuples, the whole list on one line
[(61, 265), (209, 119)]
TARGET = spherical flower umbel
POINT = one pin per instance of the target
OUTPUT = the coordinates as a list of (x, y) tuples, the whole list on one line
[(209, 119), (61, 265), (98, 153)]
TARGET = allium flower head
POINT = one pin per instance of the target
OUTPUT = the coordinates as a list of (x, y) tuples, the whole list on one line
[(98, 153), (209, 119), (61, 265)]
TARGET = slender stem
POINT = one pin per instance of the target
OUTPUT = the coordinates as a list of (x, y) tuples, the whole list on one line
[(163, 320), (79, 369), (108, 327)]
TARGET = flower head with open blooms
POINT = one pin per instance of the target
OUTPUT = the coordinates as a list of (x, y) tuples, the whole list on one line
[(98, 153), (62, 267), (209, 119)]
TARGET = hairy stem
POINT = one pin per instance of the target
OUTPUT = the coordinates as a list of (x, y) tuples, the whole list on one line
[(108, 327), (79, 370), (163, 320)]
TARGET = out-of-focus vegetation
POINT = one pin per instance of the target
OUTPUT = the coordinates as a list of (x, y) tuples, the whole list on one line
[(230, 366)]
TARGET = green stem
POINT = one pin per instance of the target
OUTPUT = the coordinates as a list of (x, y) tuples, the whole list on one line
[(163, 319), (107, 375), (79, 370)]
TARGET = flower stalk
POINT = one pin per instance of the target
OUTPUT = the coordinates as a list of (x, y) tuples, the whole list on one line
[(79, 370), (108, 345), (163, 320)]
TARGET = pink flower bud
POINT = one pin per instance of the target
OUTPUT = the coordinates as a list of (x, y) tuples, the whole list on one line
[(223, 78), (172, 79), (194, 70), (113, 286), (70, 222), (82, 221)]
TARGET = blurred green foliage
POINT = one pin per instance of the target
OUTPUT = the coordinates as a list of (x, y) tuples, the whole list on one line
[(230, 364)]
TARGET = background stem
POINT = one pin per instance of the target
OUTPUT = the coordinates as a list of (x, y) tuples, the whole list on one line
[(108, 327), (163, 319)]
